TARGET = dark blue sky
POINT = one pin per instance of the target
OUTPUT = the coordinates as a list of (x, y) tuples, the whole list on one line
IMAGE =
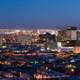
[(41, 13)]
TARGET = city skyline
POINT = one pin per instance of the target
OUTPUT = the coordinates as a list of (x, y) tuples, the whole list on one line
[(39, 13)]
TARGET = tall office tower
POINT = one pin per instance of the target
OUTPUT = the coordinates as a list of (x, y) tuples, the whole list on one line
[(51, 43), (68, 36), (71, 33)]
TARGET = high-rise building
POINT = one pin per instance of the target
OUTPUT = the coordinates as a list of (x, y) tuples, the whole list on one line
[(68, 36), (71, 33), (51, 43)]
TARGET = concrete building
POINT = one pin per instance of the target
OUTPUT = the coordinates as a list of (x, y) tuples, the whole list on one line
[(68, 36), (71, 33)]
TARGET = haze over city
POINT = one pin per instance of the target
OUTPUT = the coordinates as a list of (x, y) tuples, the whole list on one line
[(39, 13)]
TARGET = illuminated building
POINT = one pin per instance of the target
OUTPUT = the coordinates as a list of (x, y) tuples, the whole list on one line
[(71, 33), (68, 36), (24, 39), (50, 42)]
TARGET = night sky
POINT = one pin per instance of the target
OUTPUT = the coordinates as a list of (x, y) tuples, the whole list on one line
[(39, 13)]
